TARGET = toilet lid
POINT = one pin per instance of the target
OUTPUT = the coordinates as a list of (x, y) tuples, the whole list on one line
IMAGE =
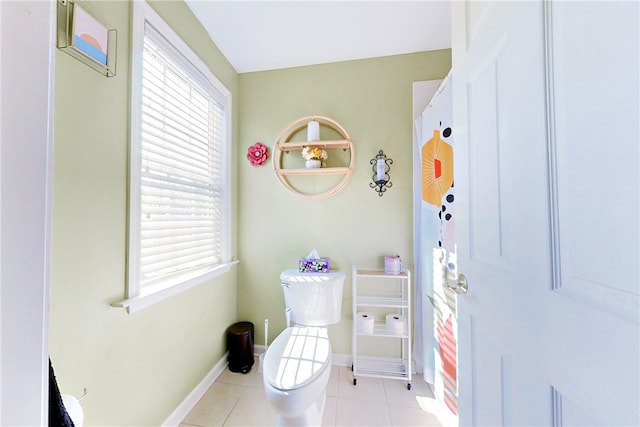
[(296, 357)]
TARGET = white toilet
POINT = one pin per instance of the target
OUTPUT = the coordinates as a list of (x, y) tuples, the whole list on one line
[(297, 365)]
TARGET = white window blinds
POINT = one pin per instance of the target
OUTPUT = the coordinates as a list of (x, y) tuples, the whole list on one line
[(182, 134)]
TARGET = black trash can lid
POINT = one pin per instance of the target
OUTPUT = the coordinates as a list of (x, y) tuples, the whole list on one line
[(241, 327)]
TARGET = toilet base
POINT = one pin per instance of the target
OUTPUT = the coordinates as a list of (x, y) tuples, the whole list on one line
[(312, 417)]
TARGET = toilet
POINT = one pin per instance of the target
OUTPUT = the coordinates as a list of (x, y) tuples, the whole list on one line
[(297, 364)]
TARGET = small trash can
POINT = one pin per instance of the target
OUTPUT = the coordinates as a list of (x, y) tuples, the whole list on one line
[(240, 347)]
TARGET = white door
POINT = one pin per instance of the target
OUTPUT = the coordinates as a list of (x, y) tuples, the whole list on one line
[(546, 173), (26, 162)]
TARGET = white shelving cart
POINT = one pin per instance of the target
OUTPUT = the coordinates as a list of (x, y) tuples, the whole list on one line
[(397, 298)]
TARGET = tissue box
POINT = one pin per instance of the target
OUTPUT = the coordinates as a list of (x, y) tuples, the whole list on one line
[(316, 265)]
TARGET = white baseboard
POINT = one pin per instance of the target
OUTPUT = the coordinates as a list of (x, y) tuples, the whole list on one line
[(341, 359), (192, 399)]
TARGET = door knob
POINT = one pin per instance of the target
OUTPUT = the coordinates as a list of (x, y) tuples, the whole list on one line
[(459, 285)]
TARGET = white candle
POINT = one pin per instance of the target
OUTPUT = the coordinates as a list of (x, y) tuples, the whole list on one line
[(380, 170), (313, 131)]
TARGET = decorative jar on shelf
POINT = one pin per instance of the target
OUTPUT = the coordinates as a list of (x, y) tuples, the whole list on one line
[(313, 163), (314, 157)]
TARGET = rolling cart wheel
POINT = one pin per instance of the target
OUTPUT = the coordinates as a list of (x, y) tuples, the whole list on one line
[(354, 381), (352, 367), (408, 386)]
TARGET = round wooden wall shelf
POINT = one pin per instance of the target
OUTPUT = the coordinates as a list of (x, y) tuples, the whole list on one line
[(284, 145)]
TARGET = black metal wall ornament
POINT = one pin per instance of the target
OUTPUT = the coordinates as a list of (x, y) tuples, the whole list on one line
[(381, 165)]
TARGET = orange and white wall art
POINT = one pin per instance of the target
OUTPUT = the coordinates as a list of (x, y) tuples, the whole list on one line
[(89, 35)]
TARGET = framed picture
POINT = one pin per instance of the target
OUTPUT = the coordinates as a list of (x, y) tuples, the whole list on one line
[(85, 37)]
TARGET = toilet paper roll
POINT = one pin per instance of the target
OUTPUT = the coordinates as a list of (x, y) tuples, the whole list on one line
[(396, 323), (364, 322), (74, 409)]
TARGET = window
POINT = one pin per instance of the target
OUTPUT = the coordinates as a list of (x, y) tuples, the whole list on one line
[(179, 206)]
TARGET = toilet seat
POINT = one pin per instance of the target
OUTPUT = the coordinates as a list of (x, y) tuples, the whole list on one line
[(297, 357)]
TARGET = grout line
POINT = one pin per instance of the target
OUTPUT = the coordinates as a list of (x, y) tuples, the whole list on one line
[(235, 404)]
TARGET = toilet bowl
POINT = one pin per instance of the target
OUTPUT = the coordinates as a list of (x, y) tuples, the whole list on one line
[(297, 364), (296, 371)]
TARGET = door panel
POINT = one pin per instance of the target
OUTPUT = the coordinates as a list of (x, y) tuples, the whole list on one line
[(571, 415), (547, 164), (597, 161), (594, 142), (485, 225), (492, 372), (476, 11)]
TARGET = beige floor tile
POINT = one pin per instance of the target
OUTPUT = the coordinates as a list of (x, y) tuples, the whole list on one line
[(332, 385), (252, 409), (237, 399), (256, 379), (367, 388), (402, 416), (237, 377), (216, 404), (329, 414), (351, 412), (397, 394)]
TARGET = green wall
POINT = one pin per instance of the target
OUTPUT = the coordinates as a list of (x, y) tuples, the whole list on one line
[(372, 100), (137, 368)]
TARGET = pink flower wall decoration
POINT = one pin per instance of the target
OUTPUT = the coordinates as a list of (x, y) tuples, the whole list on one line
[(257, 154)]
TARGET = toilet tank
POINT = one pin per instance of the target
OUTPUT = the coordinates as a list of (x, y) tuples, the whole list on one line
[(315, 299)]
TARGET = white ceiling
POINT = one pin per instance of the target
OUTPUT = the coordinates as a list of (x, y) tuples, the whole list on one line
[(269, 34)]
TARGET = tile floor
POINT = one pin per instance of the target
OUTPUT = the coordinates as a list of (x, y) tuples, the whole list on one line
[(237, 399)]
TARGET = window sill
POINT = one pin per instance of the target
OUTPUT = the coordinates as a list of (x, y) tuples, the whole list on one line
[(156, 295)]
